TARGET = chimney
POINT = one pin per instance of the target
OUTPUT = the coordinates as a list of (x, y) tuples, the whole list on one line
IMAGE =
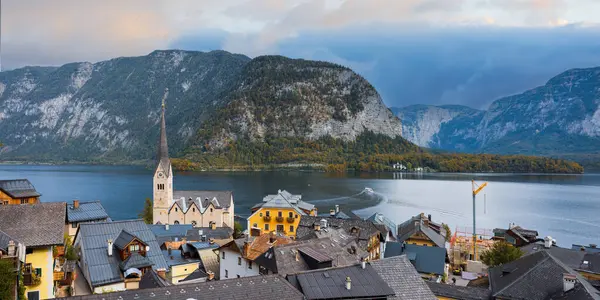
[(246, 249), (75, 203), (348, 283), (332, 212), (162, 273), (200, 232), (110, 247), (213, 225), (167, 227), (429, 217), (337, 208), (548, 242), (211, 275), (323, 223), (12, 248), (568, 281), (363, 264)]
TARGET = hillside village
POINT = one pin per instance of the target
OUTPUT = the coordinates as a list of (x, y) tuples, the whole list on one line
[(192, 250)]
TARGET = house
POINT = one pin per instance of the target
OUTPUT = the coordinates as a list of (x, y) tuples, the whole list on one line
[(18, 191), (207, 253), (115, 255), (539, 275), (309, 255), (428, 261), (180, 264), (248, 288), (219, 235), (152, 279), (199, 208), (175, 235), (237, 258), (399, 167), (455, 292), (384, 224), (367, 235), (351, 282), (40, 228), (516, 235), (340, 214), (279, 213), (421, 230), (84, 212)]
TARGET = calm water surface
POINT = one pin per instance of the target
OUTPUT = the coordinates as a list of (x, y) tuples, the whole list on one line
[(567, 207)]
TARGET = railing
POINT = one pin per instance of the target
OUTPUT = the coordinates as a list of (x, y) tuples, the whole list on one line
[(31, 279), (290, 219), (267, 218), (279, 219)]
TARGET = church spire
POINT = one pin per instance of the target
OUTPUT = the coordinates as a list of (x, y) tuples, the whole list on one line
[(163, 149)]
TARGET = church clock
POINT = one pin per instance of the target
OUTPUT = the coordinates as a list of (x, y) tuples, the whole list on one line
[(161, 175)]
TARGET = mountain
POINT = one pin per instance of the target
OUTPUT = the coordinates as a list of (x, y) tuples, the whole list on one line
[(109, 111), (561, 118)]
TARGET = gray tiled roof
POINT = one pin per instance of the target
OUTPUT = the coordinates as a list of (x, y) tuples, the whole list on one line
[(535, 276), (87, 211), (4, 239), (195, 275), (124, 238), (282, 259), (245, 288), (210, 261), (458, 292), (590, 263), (331, 283), (175, 258), (590, 248), (366, 229), (218, 233), (224, 198), (174, 229), (379, 218), (104, 269), (41, 224), (416, 224), (284, 199), (426, 259), (570, 257), (402, 277), (135, 260), (151, 279), (315, 254), (18, 188)]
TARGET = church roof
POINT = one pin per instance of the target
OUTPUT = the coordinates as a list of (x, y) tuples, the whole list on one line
[(163, 148), (202, 199)]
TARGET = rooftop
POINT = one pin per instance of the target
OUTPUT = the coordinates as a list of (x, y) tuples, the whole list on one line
[(422, 224), (360, 230), (569, 257), (257, 245), (378, 218), (590, 248), (179, 230), (458, 292), (151, 279), (87, 211), (247, 288), (35, 225), (176, 258), (18, 188), (284, 199), (331, 283), (104, 269), (402, 277), (426, 259), (202, 199), (197, 274)]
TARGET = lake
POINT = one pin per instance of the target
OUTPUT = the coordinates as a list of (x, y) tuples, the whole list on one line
[(566, 207)]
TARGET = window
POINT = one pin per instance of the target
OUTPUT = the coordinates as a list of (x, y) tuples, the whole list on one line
[(133, 248), (226, 274), (28, 250), (194, 223), (291, 228), (160, 186), (176, 222), (250, 265), (239, 261), (258, 214), (279, 228), (24, 201), (280, 214), (268, 213), (223, 255), (296, 216), (424, 244), (27, 268), (254, 225), (266, 227), (290, 214), (193, 209), (175, 209), (33, 295), (211, 210), (38, 272), (73, 225)]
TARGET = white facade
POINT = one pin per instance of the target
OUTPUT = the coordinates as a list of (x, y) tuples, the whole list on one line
[(233, 265), (163, 194)]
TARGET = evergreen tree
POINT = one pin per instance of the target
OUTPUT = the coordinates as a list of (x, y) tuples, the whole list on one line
[(146, 213)]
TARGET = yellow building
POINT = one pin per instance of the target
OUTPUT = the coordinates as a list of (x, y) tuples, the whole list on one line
[(40, 228), (279, 213), (18, 191), (421, 231)]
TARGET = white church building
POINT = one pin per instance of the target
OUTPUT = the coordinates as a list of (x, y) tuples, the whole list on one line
[(199, 208)]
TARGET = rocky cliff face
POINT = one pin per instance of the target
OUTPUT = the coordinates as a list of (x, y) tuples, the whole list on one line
[(109, 111), (560, 117)]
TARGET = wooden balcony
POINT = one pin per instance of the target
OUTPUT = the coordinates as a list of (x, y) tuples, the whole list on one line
[(57, 276), (279, 219), (290, 219), (267, 218)]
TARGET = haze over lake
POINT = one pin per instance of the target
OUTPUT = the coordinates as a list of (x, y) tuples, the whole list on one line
[(565, 207)]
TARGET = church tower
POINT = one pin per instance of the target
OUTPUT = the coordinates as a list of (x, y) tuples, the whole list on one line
[(163, 176)]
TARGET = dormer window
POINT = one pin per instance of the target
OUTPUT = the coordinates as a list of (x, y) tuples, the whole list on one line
[(133, 248)]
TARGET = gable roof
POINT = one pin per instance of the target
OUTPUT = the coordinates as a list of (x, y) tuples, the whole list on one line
[(535, 276), (18, 188), (284, 199), (35, 225), (197, 274), (202, 199), (417, 224), (378, 218), (402, 277), (135, 260), (151, 279), (283, 260), (104, 269), (331, 283), (257, 245), (426, 259), (248, 288), (87, 211), (365, 229), (124, 238), (569, 257), (458, 292)]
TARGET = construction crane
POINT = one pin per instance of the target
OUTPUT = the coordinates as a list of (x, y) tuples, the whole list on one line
[(476, 189)]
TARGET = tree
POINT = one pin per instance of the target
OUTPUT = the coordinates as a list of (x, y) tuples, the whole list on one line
[(448, 232), (500, 253), (146, 214), (8, 279), (237, 230)]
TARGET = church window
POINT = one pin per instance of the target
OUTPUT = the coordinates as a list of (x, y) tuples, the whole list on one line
[(176, 222), (175, 209), (193, 209), (211, 210), (194, 223)]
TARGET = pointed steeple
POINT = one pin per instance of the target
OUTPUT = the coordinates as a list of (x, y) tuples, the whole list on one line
[(163, 149)]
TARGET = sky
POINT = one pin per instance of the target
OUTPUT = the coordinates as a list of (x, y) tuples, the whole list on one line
[(467, 52)]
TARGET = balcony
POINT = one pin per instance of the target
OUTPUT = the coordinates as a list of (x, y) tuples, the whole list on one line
[(290, 219), (267, 218), (31, 279), (279, 219)]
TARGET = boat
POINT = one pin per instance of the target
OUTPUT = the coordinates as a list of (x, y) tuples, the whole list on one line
[(368, 190)]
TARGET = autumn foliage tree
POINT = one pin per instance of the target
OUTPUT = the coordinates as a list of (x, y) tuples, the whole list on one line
[(500, 253)]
